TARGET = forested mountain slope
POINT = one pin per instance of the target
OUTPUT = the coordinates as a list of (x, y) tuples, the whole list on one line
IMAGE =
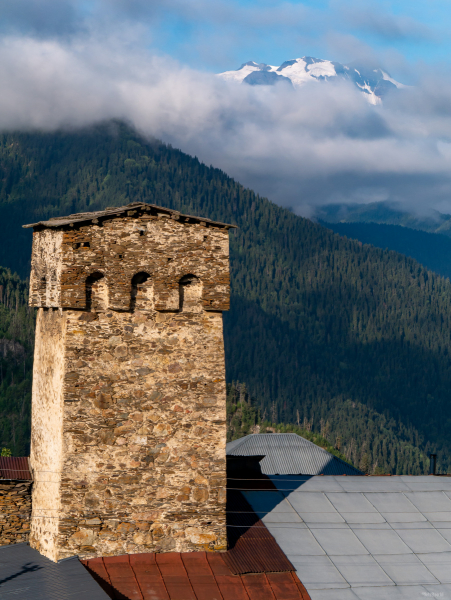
[(320, 327), (433, 250), (16, 359)]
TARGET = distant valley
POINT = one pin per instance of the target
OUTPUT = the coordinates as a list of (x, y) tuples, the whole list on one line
[(425, 238), (385, 213)]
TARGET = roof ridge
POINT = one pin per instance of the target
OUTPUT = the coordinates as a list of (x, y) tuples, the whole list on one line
[(112, 211)]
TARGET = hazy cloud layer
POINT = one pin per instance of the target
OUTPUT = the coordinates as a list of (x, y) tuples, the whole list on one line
[(377, 18), (301, 148)]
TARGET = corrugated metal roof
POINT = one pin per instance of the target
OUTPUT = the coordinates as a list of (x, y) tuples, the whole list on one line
[(118, 212), (361, 538), (188, 576), (252, 549), (27, 575), (15, 467), (289, 454)]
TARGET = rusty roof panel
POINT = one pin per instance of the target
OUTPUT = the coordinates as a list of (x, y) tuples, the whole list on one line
[(257, 556), (188, 575), (15, 467), (252, 548)]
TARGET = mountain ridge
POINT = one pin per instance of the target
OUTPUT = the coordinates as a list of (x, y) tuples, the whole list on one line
[(375, 83), (384, 213), (321, 328)]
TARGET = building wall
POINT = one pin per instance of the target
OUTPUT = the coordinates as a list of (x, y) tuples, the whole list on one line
[(165, 248), (15, 511), (143, 446), (45, 276), (46, 452)]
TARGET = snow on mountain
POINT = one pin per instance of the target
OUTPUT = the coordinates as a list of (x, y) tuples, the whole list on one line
[(374, 83)]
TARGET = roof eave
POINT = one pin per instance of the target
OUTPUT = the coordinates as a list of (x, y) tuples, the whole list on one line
[(113, 212)]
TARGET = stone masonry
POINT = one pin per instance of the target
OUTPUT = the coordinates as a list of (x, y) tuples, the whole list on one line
[(128, 408), (15, 511)]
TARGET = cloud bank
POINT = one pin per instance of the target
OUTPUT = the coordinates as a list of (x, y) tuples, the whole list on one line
[(301, 148)]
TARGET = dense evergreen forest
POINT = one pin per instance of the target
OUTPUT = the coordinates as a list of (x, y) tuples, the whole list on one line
[(432, 250), (16, 360), (244, 417), (324, 330)]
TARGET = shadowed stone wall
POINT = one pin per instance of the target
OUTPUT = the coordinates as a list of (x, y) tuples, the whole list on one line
[(128, 430), (15, 511)]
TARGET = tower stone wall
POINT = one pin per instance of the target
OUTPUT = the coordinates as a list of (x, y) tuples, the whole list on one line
[(128, 406)]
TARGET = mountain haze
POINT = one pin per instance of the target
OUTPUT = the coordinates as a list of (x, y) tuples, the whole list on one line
[(432, 250), (385, 213), (352, 339)]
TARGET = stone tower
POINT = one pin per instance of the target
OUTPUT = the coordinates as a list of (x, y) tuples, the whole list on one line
[(128, 405)]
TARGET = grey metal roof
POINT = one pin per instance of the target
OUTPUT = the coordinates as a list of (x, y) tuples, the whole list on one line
[(119, 211), (363, 538), (289, 453), (26, 575)]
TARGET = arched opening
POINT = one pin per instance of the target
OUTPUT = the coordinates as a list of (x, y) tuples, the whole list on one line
[(141, 296), (190, 294), (96, 292)]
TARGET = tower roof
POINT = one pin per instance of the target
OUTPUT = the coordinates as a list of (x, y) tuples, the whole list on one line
[(130, 210)]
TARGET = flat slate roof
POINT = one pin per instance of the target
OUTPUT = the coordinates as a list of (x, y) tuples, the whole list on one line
[(363, 538), (120, 211), (27, 575)]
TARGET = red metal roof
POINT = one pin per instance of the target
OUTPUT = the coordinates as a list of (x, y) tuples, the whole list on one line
[(252, 548), (188, 576), (14, 467)]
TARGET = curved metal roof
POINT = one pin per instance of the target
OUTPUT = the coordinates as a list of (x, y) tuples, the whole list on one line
[(289, 454)]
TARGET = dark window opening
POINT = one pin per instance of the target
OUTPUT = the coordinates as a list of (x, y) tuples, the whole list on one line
[(189, 292), (92, 283), (137, 281)]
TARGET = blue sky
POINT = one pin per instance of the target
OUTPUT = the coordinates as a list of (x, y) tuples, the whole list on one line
[(221, 35), (216, 35)]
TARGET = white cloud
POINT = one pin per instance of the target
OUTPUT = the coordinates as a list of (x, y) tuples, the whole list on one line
[(318, 144)]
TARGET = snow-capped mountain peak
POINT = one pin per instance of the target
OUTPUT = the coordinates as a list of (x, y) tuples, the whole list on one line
[(245, 70), (374, 83)]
